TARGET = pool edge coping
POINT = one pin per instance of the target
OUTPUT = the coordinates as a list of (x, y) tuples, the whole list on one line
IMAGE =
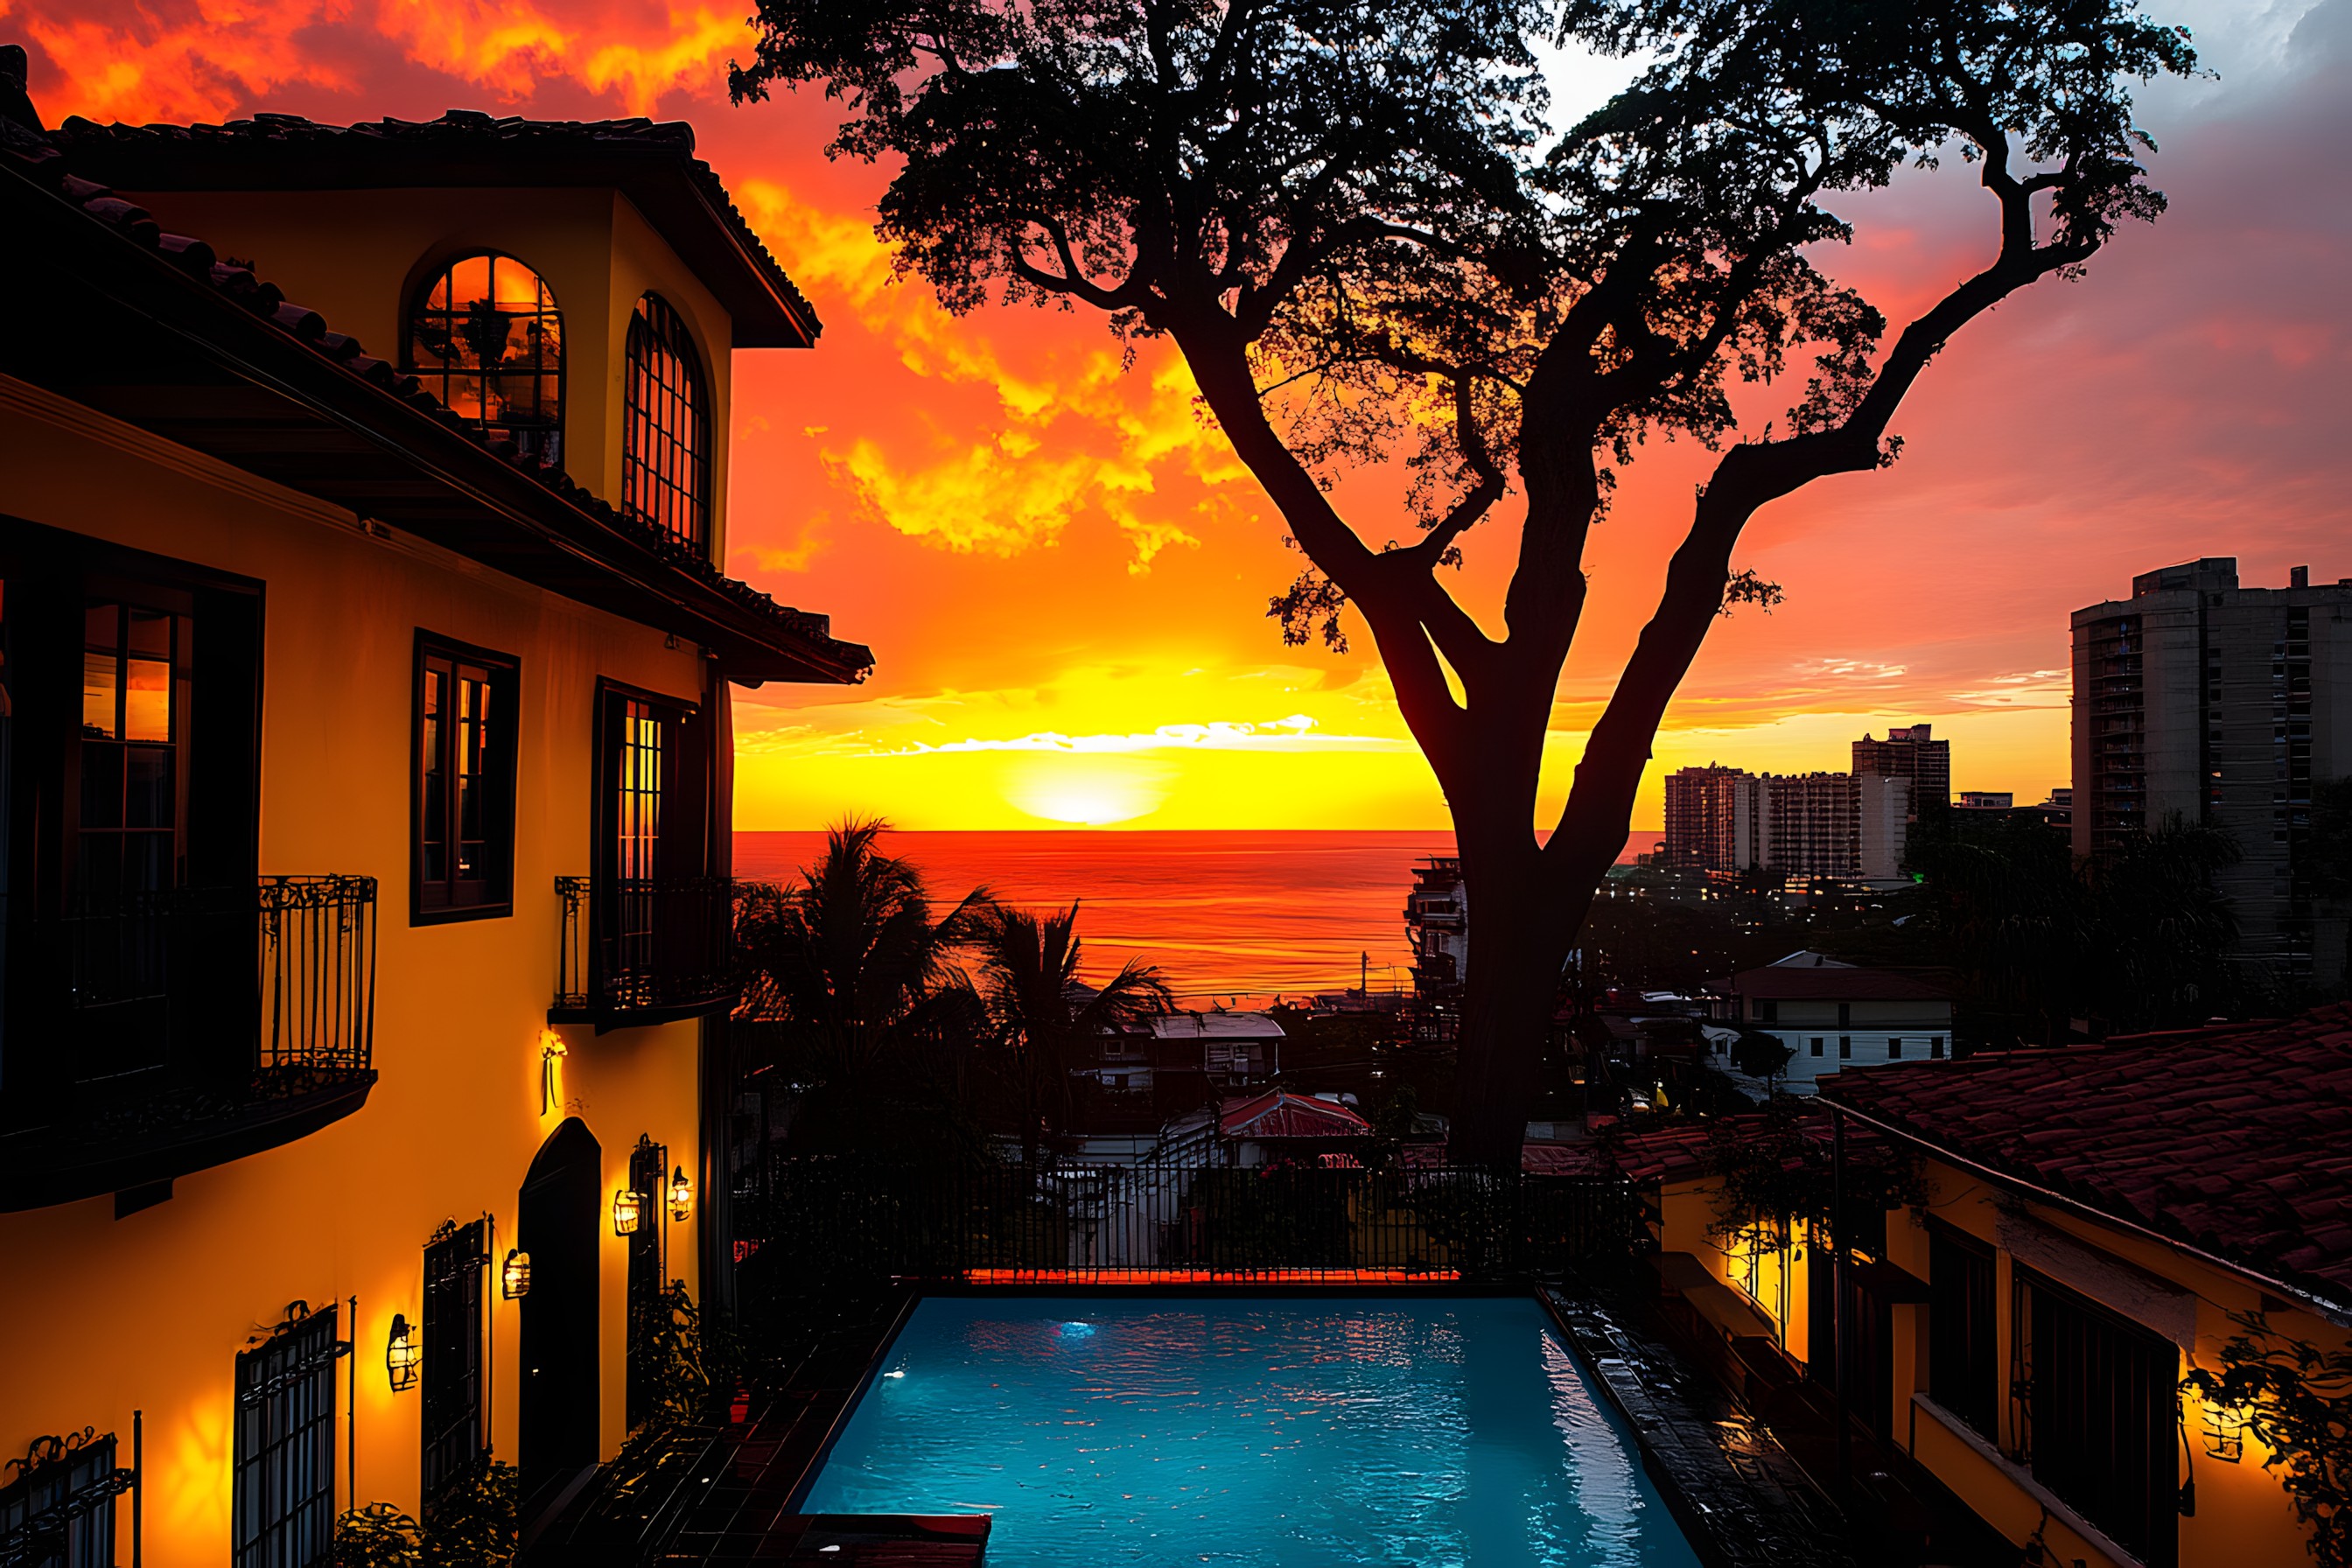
[(1696, 1523)]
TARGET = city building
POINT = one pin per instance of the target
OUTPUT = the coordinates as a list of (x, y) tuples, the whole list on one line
[(2094, 1225), (1985, 799), (1809, 823), (1881, 826), (368, 803), (1800, 825), (2201, 701), (1831, 1015), (1437, 926), (1712, 820), (1909, 752)]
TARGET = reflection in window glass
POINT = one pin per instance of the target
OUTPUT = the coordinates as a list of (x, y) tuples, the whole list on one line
[(98, 695), (488, 341), (130, 796)]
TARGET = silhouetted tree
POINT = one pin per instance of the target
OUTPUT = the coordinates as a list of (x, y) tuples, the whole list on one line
[(2138, 939), (859, 980), (1043, 1019), (1353, 222)]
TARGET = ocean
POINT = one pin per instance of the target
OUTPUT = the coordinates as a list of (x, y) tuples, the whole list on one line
[(1237, 918)]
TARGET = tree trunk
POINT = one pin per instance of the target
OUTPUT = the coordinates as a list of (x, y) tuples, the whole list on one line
[(1524, 917)]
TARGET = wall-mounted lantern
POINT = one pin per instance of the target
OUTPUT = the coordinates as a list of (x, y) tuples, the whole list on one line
[(551, 1051), (401, 1353), (681, 1194), (626, 1207), (514, 1275)]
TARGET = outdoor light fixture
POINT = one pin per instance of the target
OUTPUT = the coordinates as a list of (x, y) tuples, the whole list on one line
[(401, 1354), (681, 1194), (514, 1277), (551, 1051), (627, 1206), (2225, 1432)]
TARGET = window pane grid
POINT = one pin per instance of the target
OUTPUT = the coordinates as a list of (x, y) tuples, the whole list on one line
[(454, 1263), (284, 1490), (665, 433), (488, 341), (465, 761)]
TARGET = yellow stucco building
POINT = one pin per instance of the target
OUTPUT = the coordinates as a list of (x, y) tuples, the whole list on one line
[(364, 846), (2093, 1226)]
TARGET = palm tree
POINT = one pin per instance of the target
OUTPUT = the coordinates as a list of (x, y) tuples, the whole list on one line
[(859, 980), (1041, 1016)]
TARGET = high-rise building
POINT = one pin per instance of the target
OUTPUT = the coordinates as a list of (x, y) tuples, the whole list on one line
[(1911, 753), (1712, 820), (1881, 826), (2200, 699), (1809, 823)]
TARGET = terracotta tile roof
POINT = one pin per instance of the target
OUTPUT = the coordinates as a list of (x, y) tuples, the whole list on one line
[(33, 159), (463, 147), (1275, 1114), (2237, 1141)]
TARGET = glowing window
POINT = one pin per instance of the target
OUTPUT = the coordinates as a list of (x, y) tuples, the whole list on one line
[(665, 428), (486, 338)]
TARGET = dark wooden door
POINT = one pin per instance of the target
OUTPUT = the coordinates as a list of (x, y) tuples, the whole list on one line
[(556, 1434)]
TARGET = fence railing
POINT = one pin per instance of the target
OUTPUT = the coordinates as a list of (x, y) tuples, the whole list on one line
[(318, 973), (200, 983), (816, 1223), (645, 945)]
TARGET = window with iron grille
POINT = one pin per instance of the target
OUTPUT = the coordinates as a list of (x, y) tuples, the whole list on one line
[(2097, 1403), (463, 804), (648, 1178), (282, 1510), (1963, 1366), (60, 1510), (487, 340), (454, 1262), (665, 427)]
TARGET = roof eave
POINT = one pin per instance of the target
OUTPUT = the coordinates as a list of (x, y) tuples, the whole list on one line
[(2327, 1307), (526, 512)]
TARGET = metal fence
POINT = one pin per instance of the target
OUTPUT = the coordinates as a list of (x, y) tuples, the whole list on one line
[(212, 982), (631, 945), (318, 973), (810, 1225)]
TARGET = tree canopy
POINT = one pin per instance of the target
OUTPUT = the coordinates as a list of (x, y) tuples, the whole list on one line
[(1359, 225)]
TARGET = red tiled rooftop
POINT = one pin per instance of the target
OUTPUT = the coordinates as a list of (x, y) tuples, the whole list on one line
[(35, 167), (2237, 1141), (1275, 1114)]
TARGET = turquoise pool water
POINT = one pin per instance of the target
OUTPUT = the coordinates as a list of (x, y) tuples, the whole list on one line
[(1307, 1433)]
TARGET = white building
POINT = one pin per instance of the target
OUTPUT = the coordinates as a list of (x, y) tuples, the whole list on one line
[(1831, 1015)]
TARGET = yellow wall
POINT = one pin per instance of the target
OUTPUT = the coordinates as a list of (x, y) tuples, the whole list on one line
[(360, 257), (2243, 1516), (101, 1316)]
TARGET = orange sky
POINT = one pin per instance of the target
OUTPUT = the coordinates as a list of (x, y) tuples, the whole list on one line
[(1063, 576)]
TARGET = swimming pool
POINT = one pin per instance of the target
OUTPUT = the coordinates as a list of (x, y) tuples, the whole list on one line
[(1305, 1432)]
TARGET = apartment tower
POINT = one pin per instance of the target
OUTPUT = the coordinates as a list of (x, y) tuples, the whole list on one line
[(1912, 752), (2200, 699)]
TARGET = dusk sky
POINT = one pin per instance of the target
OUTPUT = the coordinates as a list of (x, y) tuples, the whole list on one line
[(1064, 574)]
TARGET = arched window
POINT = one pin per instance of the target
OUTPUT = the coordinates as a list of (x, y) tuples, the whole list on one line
[(665, 427), (487, 340)]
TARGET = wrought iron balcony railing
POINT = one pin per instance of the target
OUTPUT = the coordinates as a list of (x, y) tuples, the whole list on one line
[(150, 1035), (643, 950)]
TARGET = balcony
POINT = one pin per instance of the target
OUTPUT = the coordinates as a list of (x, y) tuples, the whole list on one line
[(637, 951), (162, 1034)]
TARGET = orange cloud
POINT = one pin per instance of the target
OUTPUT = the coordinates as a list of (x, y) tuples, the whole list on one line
[(201, 63)]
